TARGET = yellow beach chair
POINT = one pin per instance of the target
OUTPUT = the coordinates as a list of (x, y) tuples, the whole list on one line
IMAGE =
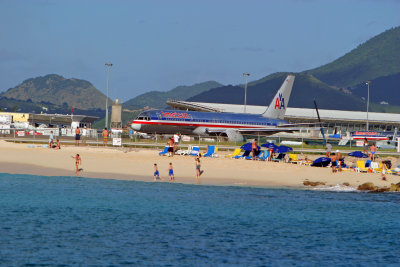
[(361, 166), (293, 159), (236, 152)]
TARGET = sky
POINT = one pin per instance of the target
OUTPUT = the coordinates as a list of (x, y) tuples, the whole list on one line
[(158, 45)]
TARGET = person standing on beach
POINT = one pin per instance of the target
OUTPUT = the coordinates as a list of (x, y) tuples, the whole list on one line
[(156, 173), (328, 149), (176, 142), (51, 139), (334, 162), (171, 147), (365, 145), (77, 136), (384, 178), (105, 136), (254, 148), (373, 151), (84, 134), (198, 171), (339, 160), (171, 173), (78, 161)]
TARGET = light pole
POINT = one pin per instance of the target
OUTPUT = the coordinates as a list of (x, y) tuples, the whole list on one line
[(367, 83), (246, 75), (108, 66)]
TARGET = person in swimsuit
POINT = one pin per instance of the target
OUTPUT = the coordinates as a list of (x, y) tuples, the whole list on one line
[(373, 150), (77, 136), (105, 136), (171, 147), (384, 178), (171, 173), (365, 145), (156, 173), (334, 162), (78, 161), (339, 160), (51, 139), (57, 146), (254, 148), (198, 171)]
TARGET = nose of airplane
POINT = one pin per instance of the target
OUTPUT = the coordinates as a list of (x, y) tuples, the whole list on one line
[(136, 126)]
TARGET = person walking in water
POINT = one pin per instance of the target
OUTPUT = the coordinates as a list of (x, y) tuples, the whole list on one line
[(156, 173), (198, 171), (171, 173), (78, 161)]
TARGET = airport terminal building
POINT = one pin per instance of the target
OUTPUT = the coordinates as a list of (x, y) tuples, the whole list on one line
[(336, 121)]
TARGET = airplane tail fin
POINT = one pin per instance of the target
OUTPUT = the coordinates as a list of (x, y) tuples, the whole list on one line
[(277, 108)]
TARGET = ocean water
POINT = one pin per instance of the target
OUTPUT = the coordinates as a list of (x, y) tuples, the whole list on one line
[(67, 221)]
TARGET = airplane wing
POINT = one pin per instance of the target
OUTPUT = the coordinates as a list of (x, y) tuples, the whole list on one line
[(265, 131), (300, 124)]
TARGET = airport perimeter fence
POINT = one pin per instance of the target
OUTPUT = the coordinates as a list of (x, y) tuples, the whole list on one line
[(130, 138)]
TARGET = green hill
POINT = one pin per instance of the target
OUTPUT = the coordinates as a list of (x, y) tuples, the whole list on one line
[(337, 85), (379, 56), (156, 99), (306, 87), (60, 91)]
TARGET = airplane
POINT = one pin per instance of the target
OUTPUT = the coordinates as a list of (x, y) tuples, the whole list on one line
[(232, 125)]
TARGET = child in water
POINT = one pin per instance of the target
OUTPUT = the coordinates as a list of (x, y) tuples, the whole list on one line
[(171, 173), (156, 173), (78, 161)]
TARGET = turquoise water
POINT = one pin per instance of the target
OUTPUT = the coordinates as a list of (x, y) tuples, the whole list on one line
[(79, 221)]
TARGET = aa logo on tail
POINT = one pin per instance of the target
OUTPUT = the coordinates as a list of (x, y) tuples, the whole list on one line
[(280, 102)]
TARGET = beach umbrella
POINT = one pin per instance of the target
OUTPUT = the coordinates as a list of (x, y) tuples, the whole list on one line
[(283, 149), (321, 162), (269, 145), (358, 154), (247, 147)]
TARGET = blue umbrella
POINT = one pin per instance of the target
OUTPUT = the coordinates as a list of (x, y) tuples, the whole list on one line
[(321, 162), (269, 145), (358, 154), (247, 147), (283, 149)]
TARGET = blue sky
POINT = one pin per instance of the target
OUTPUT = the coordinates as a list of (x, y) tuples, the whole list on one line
[(158, 45)]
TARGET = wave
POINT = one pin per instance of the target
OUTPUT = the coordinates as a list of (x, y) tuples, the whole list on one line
[(336, 188)]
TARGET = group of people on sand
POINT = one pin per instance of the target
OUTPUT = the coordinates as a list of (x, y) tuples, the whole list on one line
[(173, 143), (171, 175), (337, 159), (57, 144), (80, 135)]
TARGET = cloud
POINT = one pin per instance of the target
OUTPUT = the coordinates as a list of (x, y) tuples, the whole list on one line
[(6, 55)]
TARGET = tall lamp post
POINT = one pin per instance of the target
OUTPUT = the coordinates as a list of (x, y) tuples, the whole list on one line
[(108, 66), (367, 83), (246, 75)]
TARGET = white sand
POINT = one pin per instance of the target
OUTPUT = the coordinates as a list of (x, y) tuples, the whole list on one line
[(137, 164)]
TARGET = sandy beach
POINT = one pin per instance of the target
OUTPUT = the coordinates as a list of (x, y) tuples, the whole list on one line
[(137, 164)]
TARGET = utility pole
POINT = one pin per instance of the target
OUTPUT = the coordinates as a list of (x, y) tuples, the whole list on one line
[(108, 66), (367, 83), (246, 75)]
